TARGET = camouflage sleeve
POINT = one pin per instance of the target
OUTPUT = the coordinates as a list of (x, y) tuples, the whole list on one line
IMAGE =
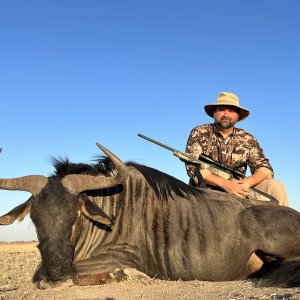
[(194, 148), (258, 160)]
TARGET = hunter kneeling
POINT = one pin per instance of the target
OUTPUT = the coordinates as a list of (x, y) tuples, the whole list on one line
[(232, 148)]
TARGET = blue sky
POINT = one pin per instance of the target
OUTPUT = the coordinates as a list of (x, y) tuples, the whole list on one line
[(73, 73)]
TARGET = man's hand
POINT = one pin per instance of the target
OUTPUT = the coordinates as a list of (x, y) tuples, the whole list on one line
[(231, 186), (235, 187)]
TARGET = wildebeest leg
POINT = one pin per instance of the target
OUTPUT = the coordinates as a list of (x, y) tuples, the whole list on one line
[(115, 275), (272, 230), (104, 268), (98, 270)]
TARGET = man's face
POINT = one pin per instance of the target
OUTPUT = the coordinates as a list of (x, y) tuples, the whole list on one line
[(226, 116)]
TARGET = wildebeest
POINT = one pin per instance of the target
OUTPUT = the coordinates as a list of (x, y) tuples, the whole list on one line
[(94, 221)]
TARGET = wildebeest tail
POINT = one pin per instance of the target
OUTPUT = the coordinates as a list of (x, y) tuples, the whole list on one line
[(279, 273)]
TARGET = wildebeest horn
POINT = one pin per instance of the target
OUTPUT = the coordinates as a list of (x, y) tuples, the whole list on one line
[(32, 184), (76, 183)]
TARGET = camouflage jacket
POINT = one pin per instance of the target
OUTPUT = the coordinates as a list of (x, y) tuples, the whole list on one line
[(237, 150)]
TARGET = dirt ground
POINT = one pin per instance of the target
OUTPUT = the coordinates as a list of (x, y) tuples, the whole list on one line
[(18, 262)]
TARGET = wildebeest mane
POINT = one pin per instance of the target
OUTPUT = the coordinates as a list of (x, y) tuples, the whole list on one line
[(64, 167), (164, 185)]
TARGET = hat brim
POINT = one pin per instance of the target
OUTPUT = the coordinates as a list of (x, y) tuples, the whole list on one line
[(210, 110)]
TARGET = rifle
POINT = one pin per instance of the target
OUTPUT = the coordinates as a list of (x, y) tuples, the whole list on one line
[(205, 162)]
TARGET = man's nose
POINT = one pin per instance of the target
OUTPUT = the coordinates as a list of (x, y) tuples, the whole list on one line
[(226, 112)]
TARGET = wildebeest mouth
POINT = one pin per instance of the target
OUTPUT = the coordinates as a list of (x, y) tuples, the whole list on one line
[(58, 276), (43, 285)]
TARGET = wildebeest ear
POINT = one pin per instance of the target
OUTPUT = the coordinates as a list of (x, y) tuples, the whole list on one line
[(93, 212), (19, 212)]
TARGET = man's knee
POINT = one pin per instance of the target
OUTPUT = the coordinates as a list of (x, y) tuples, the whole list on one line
[(276, 189)]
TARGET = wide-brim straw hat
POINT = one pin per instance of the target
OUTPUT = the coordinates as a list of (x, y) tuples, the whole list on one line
[(230, 99)]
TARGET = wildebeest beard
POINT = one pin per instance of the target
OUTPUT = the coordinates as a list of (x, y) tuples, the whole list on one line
[(54, 212)]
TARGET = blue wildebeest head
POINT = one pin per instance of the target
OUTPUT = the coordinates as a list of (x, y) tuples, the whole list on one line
[(54, 207)]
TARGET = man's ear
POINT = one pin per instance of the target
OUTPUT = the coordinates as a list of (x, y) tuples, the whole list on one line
[(19, 212), (93, 212)]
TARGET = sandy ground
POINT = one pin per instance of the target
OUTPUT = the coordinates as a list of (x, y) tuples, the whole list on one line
[(18, 262)]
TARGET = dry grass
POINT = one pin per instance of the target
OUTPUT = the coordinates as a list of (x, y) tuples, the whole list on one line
[(18, 247)]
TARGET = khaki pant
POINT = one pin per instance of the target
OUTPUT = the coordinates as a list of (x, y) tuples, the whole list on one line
[(276, 189)]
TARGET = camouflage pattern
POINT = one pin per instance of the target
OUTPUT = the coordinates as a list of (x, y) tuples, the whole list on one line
[(237, 151), (254, 195)]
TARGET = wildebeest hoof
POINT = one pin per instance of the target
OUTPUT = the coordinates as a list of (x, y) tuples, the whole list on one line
[(132, 273), (116, 275)]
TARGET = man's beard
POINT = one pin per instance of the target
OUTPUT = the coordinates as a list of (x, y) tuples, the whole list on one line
[(224, 123)]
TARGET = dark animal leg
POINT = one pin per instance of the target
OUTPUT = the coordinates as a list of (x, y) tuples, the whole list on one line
[(104, 268), (272, 230)]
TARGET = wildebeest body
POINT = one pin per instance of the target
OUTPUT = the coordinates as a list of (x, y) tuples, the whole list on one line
[(199, 236), (151, 222)]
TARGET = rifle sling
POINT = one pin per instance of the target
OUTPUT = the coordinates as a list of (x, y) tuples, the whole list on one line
[(200, 178)]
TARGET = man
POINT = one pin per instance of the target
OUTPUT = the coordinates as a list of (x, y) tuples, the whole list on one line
[(233, 147)]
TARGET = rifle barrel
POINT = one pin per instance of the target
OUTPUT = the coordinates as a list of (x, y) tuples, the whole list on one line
[(156, 142)]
